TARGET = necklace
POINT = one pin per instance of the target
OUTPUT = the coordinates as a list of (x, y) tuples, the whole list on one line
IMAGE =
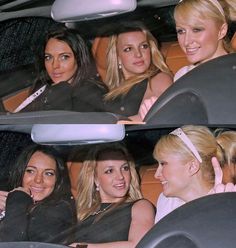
[(102, 209)]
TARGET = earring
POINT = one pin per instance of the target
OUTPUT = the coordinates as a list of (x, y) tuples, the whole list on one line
[(97, 187), (119, 66)]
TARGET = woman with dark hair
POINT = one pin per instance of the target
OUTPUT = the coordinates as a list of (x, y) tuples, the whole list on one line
[(40, 205), (63, 68)]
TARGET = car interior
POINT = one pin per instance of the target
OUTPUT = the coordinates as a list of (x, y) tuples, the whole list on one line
[(93, 24), (199, 97)]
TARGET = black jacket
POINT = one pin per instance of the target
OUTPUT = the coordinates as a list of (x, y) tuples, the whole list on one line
[(25, 221)]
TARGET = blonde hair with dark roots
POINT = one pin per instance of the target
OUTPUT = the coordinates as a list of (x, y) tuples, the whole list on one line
[(203, 140), (114, 77), (227, 141), (89, 199), (207, 9)]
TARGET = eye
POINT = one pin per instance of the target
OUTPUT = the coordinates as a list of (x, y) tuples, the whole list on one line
[(145, 46), (196, 30), (126, 167), (65, 57), (47, 57), (127, 49), (29, 171), (50, 173), (108, 171), (180, 31)]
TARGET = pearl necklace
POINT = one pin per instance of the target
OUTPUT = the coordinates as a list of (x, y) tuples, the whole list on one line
[(102, 210)]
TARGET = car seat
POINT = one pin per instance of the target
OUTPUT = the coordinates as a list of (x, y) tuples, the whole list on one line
[(174, 56), (202, 223), (205, 95)]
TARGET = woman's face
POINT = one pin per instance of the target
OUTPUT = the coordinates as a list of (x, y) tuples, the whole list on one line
[(40, 176), (173, 174), (201, 41), (59, 61), (112, 177), (133, 53)]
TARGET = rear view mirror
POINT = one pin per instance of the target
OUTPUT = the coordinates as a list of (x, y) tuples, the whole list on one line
[(80, 10), (74, 134)]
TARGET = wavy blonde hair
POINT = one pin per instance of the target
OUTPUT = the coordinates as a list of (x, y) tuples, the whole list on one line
[(208, 9), (203, 140), (89, 200), (114, 77)]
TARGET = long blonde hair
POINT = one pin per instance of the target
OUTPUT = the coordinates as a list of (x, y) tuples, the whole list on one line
[(114, 77), (203, 140), (220, 11), (88, 198)]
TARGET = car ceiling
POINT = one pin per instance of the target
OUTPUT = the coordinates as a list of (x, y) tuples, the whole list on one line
[(21, 8)]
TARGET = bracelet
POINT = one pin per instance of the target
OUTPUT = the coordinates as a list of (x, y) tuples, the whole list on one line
[(82, 245)]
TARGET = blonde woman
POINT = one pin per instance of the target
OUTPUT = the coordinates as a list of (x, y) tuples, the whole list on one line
[(188, 167), (136, 70), (110, 202), (227, 142), (202, 28)]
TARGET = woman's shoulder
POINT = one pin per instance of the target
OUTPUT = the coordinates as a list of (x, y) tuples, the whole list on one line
[(143, 204), (182, 71), (160, 82), (166, 204)]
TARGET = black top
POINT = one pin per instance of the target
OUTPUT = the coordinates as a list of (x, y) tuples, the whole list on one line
[(26, 222), (87, 96), (54, 97), (109, 226), (128, 104)]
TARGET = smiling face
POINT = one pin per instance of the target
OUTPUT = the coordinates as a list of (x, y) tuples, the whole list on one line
[(112, 177), (201, 40), (133, 53), (40, 176), (173, 174), (60, 61)]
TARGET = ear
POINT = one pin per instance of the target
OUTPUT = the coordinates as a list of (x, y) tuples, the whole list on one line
[(223, 31), (194, 167)]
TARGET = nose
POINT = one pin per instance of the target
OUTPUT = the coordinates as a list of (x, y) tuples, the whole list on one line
[(119, 175), (138, 53), (38, 178), (55, 63), (158, 172), (187, 39)]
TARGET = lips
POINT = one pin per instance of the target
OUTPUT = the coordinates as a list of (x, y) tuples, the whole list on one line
[(119, 186), (191, 51), (36, 189), (57, 75), (139, 63)]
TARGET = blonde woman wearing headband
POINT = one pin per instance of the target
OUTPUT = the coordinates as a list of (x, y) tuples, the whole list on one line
[(202, 27), (188, 167)]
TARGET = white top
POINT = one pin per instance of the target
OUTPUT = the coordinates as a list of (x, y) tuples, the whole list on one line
[(165, 205), (182, 71)]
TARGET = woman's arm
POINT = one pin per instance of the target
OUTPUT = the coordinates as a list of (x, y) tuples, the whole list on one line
[(15, 222), (50, 221), (3, 198), (140, 225)]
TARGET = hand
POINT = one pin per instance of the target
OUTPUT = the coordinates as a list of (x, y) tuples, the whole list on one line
[(3, 198), (27, 191), (145, 106), (219, 187)]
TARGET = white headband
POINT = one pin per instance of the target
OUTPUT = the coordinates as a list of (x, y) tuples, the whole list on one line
[(217, 5), (180, 133)]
